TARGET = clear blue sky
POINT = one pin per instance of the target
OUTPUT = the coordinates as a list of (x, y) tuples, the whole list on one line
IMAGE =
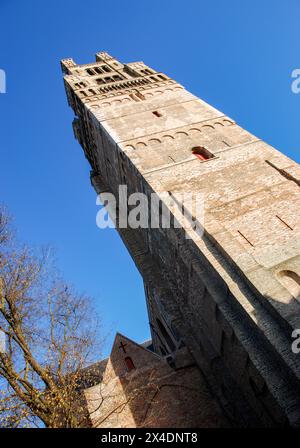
[(236, 55)]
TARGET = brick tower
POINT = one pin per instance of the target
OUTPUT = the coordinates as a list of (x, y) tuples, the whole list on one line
[(231, 295)]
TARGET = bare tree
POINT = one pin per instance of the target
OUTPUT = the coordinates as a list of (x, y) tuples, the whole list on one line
[(49, 334)]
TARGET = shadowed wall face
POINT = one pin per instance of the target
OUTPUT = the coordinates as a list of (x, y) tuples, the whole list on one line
[(152, 394)]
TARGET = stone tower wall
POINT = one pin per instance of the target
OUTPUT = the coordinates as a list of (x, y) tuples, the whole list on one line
[(231, 294)]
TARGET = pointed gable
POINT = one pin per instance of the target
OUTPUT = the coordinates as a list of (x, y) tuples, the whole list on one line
[(126, 355)]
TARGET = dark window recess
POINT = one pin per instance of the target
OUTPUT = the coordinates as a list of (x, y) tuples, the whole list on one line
[(157, 114), (137, 96), (129, 363), (134, 97), (202, 153)]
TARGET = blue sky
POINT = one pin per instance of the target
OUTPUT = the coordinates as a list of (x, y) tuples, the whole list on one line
[(236, 55)]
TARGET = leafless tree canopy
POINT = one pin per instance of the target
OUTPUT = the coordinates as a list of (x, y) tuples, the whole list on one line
[(50, 335)]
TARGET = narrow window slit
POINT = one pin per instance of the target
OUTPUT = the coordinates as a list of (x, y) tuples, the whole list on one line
[(202, 153), (284, 173), (283, 222), (129, 363), (245, 238)]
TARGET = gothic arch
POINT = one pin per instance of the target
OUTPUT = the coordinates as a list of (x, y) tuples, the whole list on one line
[(202, 153), (129, 363), (227, 122), (194, 130), (208, 127), (154, 141)]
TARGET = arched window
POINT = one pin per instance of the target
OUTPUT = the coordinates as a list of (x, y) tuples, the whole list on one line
[(165, 335), (129, 363), (291, 281), (202, 153)]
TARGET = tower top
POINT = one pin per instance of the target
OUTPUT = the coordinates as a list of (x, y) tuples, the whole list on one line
[(101, 57)]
